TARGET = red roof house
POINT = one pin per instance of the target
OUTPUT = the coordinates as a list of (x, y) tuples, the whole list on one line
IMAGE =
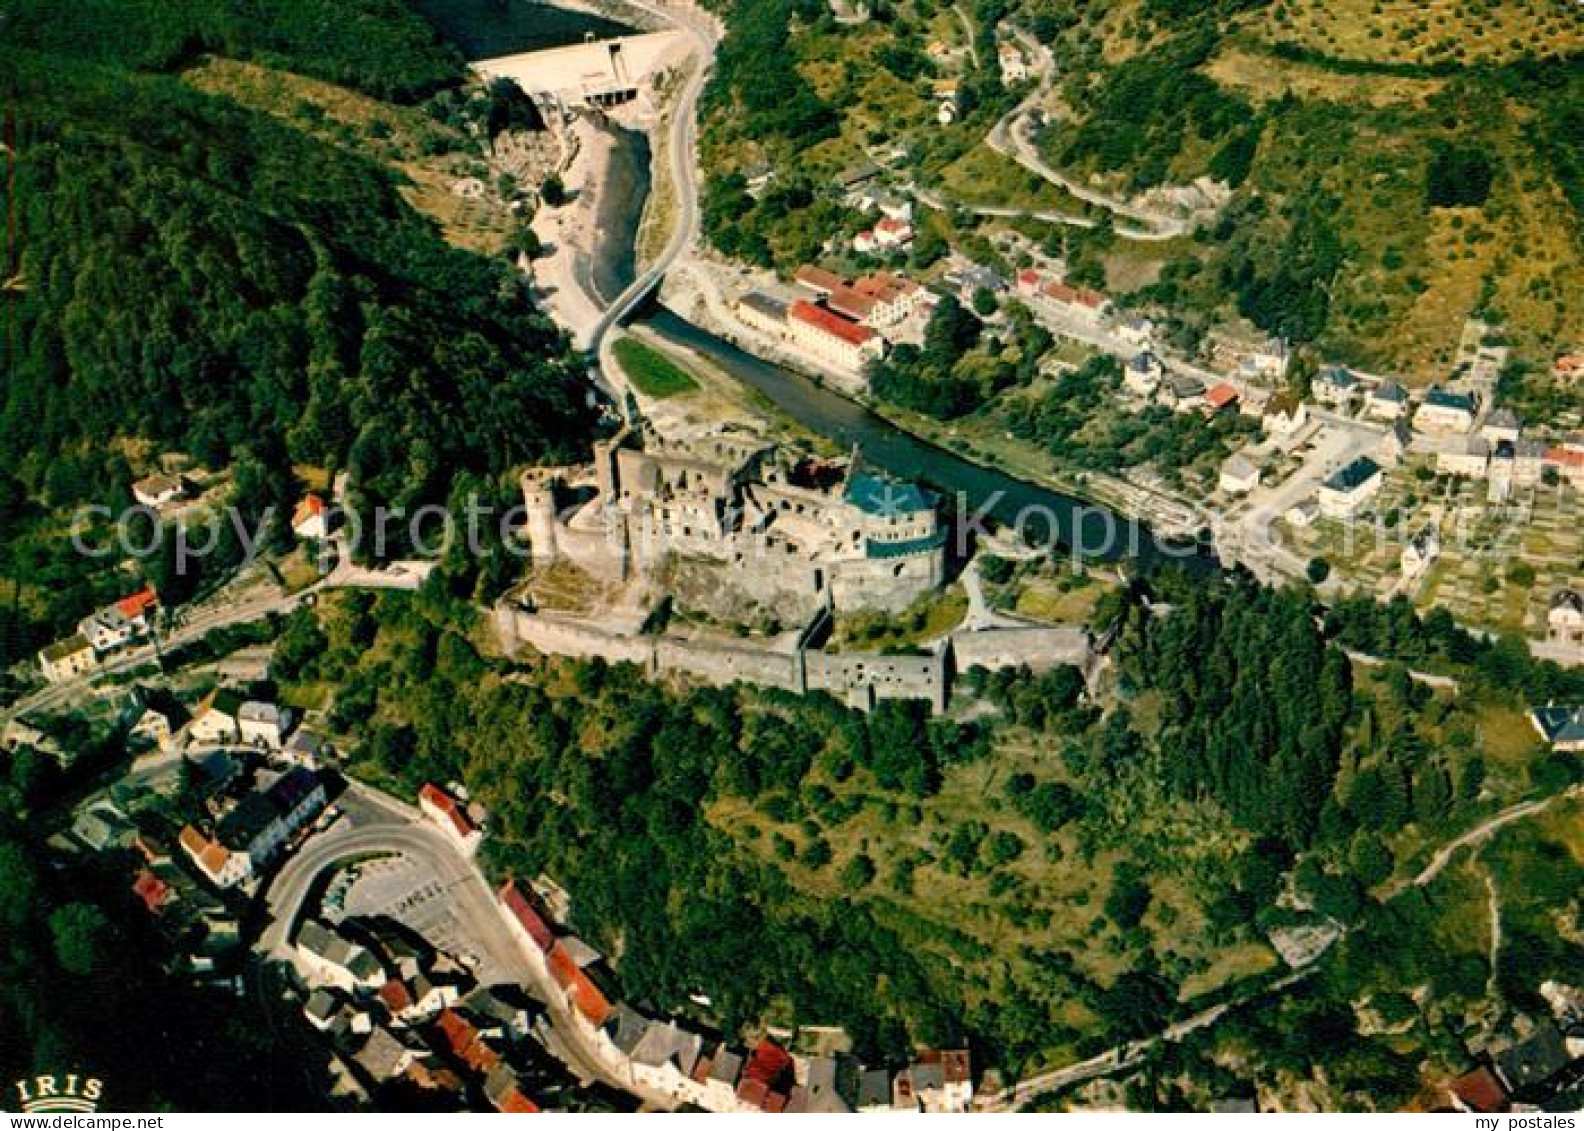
[(139, 603), (581, 991), (1478, 1091), (767, 1077), (527, 918), (829, 323), (1220, 397), (153, 891)]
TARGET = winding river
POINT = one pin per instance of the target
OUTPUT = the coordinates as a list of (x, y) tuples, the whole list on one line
[(1046, 517)]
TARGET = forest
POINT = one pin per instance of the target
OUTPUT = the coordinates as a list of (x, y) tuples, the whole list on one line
[(710, 831), (199, 280)]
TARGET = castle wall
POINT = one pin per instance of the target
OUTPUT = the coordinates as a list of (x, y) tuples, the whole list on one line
[(860, 679), (1038, 647), (887, 584), (723, 664)]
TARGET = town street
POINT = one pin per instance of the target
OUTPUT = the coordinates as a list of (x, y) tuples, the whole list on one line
[(377, 824)]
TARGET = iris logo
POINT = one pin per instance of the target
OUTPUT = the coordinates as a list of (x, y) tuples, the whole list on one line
[(57, 1093)]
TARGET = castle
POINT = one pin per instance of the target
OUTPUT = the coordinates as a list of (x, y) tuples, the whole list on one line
[(737, 526)]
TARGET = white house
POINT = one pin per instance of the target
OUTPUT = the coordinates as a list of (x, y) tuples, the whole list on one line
[(68, 659), (311, 519), (1444, 413), (664, 1059), (1335, 385), (263, 724), (1349, 490), (1239, 474), (1501, 424), (217, 720), (1284, 415), (1565, 619), (1143, 374), (158, 490), (1014, 67), (1386, 401), (1468, 458), (446, 812), (831, 338), (327, 958)]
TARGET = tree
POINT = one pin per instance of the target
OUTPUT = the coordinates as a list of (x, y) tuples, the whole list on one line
[(553, 191), (1317, 570), (81, 936)]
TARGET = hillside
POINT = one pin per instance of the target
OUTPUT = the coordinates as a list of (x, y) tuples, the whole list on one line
[(208, 282), (1395, 169)]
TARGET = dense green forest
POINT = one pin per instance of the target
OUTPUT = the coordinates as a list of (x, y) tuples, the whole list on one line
[(708, 836), (216, 282)]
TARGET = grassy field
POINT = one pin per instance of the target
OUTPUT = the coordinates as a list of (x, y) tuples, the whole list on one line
[(1426, 32), (655, 374), (928, 618)]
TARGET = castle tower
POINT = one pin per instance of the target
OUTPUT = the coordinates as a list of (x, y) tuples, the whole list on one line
[(539, 500)]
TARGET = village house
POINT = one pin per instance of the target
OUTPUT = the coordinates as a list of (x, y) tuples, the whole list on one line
[(1014, 67), (767, 1078), (1565, 619), (1445, 413), (117, 624), (152, 728), (1220, 397), (259, 825), (1335, 385), (1183, 393), (263, 724), (937, 1081), (328, 958), (1561, 727), (217, 720), (157, 491), (1501, 424), (1386, 401), (1284, 415), (764, 313), (1352, 488), (448, 813), (1569, 367), (1567, 462), (888, 234), (224, 869), (1142, 374), (68, 659), (1419, 554), (1239, 474), (1528, 462), (311, 519), (1088, 305), (664, 1059), (1134, 329), (833, 339), (877, 300), (817, 280), (1395, 444), (1467, 457)]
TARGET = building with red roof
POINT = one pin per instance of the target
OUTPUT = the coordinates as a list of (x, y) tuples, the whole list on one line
[(581, 992), (311, 519), (153, 891), (139, 604), (1220, 397), (529, 924), (831, 338), (1478, 1091), (447, 812), (767, 1078)]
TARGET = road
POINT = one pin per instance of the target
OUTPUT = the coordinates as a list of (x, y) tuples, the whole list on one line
[(680, 150), (194, 627), (388, 826), (1009, 137), (1480, 833)]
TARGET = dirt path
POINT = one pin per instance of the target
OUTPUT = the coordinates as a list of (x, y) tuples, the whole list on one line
[(1481, 832)]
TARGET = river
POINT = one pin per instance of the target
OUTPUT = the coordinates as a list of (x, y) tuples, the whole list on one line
[(1092, 531)]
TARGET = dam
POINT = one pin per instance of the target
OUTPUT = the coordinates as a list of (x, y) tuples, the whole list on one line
[(598, 72)]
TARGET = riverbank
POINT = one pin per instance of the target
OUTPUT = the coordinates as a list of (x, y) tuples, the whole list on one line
[(588, 242)]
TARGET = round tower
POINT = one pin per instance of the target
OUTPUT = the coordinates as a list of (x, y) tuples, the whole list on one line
[(539, 501)]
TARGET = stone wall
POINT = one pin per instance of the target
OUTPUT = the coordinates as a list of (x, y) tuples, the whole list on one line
[(1037, 646), (861, 679)]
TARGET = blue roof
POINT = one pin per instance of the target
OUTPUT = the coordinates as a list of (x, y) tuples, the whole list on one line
[(1443, 398), (1390, 391), (880, 495), (1354, 474), (873, 549), (1560, 724), (1338, 375)]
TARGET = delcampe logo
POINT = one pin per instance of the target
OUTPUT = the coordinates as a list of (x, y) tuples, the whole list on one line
[(59, 1093)]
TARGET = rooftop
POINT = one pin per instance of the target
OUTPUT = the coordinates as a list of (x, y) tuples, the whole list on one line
[(1354, 475), (881, 495)]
